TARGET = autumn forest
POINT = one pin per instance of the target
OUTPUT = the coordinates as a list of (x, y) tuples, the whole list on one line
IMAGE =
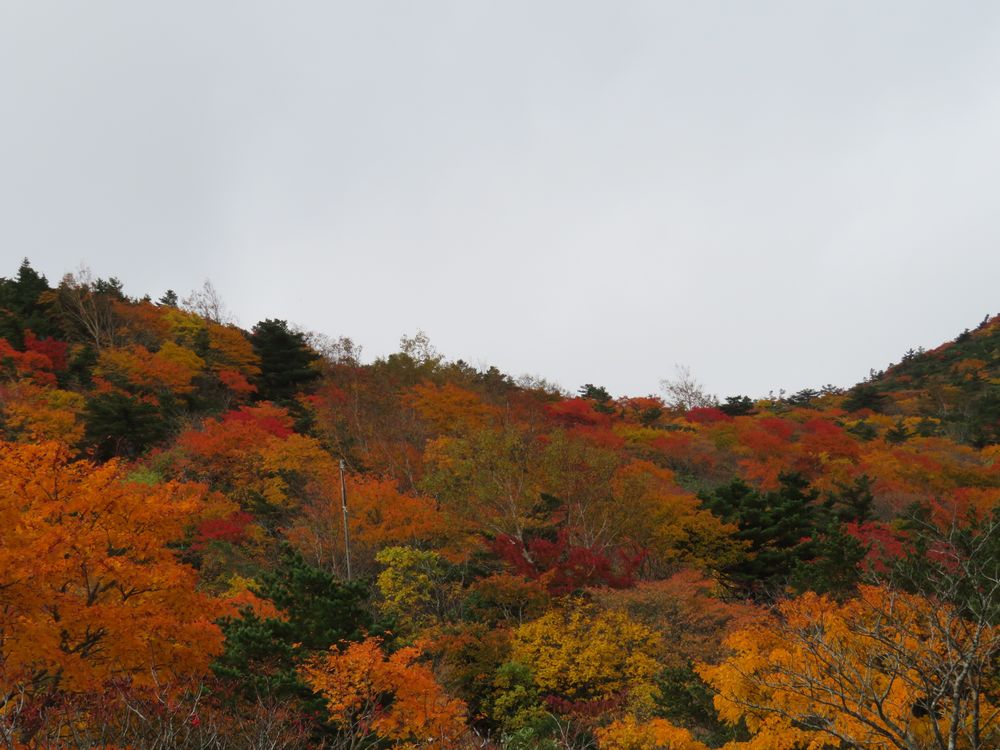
[(218, 538)]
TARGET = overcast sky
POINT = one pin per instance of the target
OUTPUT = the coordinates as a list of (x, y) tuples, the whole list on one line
[(777, 195)]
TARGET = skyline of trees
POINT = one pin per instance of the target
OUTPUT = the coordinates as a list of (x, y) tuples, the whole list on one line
[(533, 569)]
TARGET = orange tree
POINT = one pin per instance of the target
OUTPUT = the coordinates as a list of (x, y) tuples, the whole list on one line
[(371, 696), (655, 734), (885, 670), (90, 591)]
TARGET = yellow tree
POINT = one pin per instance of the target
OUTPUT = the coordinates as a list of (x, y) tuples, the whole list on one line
[(414, 592), (884, 670), (578, 656), (686, 612), (661, 517), (170, 370)]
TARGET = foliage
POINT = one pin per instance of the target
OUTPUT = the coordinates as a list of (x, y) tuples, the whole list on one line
[(854, 526), (515, 701), (117, 424), (91, 591), (379, 515), (393, 698), (253, 456), (836, 567), (778, 525), (466, 658), (686, 611), (508, 599), (955, 383), (582, 659), (413, 588), (38, 414), (565, 568), (884, 669), (286, 361), (21, 308), (314, 611), (655, 734), (490, 477)]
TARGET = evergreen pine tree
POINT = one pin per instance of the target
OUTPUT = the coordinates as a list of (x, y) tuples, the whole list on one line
[(286, 361), (262, 654), (780, 527), (20, 307)]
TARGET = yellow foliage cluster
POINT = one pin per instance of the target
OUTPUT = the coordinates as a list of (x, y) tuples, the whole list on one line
[(886, 669), (409, 586), (582, 654)]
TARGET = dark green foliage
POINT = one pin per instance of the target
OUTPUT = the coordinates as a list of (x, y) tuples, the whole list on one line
[(494, 382), (864, 396), (202, 344), (321, 610), (737, 406), (803, 398), (958, 563), (650, 415), (599, 395), (780, 527), (983, 417), (852, 503), (864, 430), (81, 367), (898, 433), (834, 569), (259, 658), (20, 309), (261, 654), (286, 361), (120, 425), (169, 299), (686, 701), (928, 428), (110, 287)]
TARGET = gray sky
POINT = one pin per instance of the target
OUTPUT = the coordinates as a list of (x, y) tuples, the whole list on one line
[(774, 194)]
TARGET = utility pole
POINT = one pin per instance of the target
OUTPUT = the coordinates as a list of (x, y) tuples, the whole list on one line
[(343, 505)]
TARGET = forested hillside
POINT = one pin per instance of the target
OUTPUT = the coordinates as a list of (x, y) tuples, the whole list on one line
[(518, 567)]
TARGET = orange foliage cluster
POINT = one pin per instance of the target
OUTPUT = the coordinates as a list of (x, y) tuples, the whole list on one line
[(91, 591), (876, 671), (390, 697)]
